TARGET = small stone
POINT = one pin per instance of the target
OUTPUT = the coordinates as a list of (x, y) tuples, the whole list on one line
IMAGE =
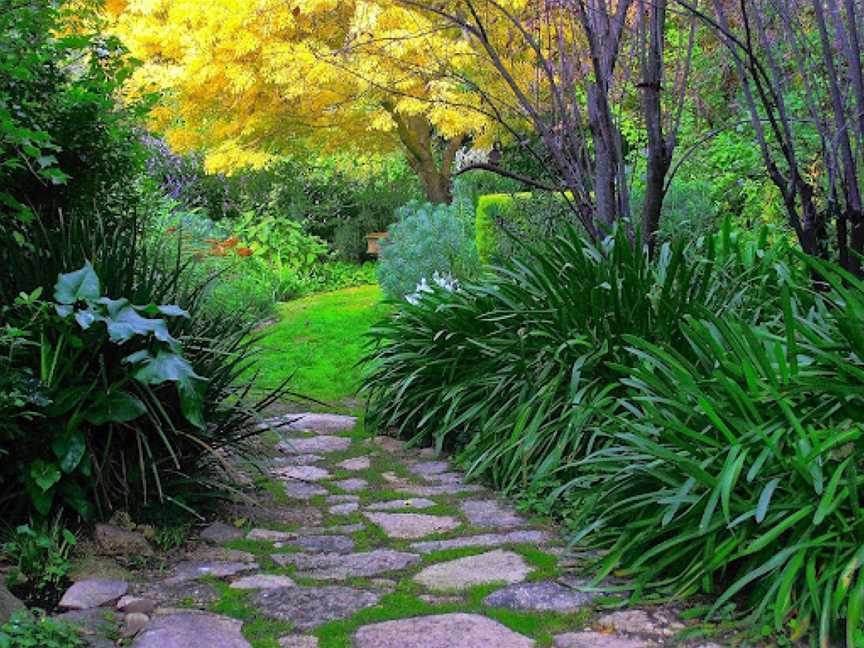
[(93, 623), (440, 631), (395, 505), (427, 468), (136, 604), (309, 607), (92, 593), (412, 525), (262, 581), (427, 453), (93, 567), (219, 532), (9, 605), (219, 554), (313, 445), (192, 569), (490, 514), (114, 541), (545, 597), (357, 463), (303, 473), (491, 567), (297, 460), (597, 640), (334, 566), (298, 641), (344, 509), (351, 485), (386, 584), (186, 593), (314, 422), (270, 535), (640, 622), (192, 630), (341, 499), (391, 477), (389, 444), (302, 490), (432, 599), (483, 540), (325, 543), (134, 623), (440, 489), (337, 528)]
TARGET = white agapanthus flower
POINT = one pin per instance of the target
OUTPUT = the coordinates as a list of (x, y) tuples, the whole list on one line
[(445, 281)]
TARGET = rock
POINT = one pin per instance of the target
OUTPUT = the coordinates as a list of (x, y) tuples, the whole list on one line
[(136, 605), (192, 569), (483, 540), (337, 528), (192, 630), (440, 631), (92, 594), (298, 641), (325, 543), (597, 640), (264, 509), (391, 477), (340, 566), (441, 489), (635, 621), (490, 514), (427, 453), (492, 567), (308, 607), (262, 581), (302, 490), (182, 593), (114, 541), (427, 468), (303, 473), (412, 525), (344, 509), (351, 485), (270, 535), (545, 596), (341, 499), (395, 505), (314, 422), (389, 444), (313, 445), (133, 624), (219, 532), (296, 460), (432, 599), (92, 567), (219, 554), (386, 584), (357, 463), (9, 605)]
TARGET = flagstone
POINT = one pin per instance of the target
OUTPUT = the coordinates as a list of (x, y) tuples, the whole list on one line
[(408, 503), (351, 485), (412, 525), (490, 514), (357, 463), (312, 445), (492, 567), (544, 596), (303, 473), (483, 540), (192, 629), (261, 581), (440, 631), (308, 607), (334, 566)]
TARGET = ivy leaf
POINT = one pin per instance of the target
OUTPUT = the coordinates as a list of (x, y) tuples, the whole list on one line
[(115, 407), (44, 474), (81, 285)]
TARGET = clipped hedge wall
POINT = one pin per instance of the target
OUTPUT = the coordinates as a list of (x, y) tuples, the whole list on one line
[(528, 214)]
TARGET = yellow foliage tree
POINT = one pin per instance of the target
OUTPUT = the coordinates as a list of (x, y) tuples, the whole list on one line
[(246, 81)]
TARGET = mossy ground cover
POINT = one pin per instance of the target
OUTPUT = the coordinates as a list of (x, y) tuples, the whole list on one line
[(319, 340)]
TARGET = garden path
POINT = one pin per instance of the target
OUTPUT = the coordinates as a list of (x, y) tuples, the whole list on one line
[(357, 541)]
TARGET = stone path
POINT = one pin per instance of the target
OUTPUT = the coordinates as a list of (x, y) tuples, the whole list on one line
[(364, 543)]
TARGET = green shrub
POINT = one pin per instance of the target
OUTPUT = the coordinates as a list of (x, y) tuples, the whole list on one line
[(428, 239), (504, 221), (39, 557), (24, 631)]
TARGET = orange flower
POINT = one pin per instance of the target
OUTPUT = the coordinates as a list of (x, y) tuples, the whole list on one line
[(230, 242), (170, 230), (212, 241), (244, 252)]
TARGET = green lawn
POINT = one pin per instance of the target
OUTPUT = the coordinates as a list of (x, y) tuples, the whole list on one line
[(320, 339)]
